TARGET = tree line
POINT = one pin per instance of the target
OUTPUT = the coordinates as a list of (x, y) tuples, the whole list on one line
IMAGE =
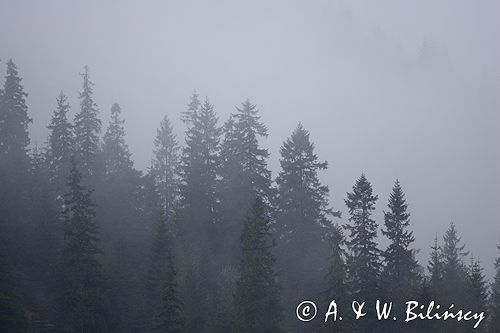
[(205, 240)]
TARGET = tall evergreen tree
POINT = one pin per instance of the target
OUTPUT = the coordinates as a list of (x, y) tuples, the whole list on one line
[(81, 307), (165, 308), (60, 144), (115, 150), (197, 211), (337, 282), (165, 166), (454, 269), (14, 119), (257, 294), (363, 263), (363, 260), (435, 269), (14, 141), (244, 172), (494, 323), (400, 270), (87, 128), (303, 220), (476, 292)]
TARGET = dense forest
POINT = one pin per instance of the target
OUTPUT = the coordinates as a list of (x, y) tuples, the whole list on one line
[(205, 240)]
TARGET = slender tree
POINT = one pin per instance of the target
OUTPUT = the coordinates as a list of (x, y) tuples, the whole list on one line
[(164, 305), (257, 295), (476, 291), (81, 307), (400, 270), (435, 269), (363, 263), (363, 260), (87, 128), (244, 173), (303, 219), (60, 144), (115, 150), (165, 166)]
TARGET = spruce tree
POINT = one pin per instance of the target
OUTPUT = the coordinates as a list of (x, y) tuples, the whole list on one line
[(14, 119), (81, 281), (363, 263), (197, 212), (435, 269), (476, 291), (303, 219), (257, 294), (115, 150), (400, 269), (494, 323), (454, 269), (337, 287), (14, 141), (87, 127), (60, 144), (165, 308), (244, 173), (165, 166)]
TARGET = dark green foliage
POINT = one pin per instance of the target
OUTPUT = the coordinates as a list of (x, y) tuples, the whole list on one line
[(164, 307), (81, 281), (87, 127), (60, 144), (257, 294)]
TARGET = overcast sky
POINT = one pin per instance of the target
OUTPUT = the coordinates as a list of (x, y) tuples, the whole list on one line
[(395, 89)]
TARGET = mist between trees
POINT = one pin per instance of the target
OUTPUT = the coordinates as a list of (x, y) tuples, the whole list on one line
[(205, 240)]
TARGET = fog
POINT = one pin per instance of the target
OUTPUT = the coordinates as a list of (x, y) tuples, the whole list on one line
[(390, 88)]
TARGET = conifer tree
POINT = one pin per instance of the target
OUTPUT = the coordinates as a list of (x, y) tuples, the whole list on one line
[(14, 141), (476, 292), (494, 323), (363, 261), (197, 211), (435, 269), (303, 219), (400, 270), (60, 144), (244, 173), (199, 165), (14, 119), (337, 281), (257, 294), (87, 127), (165, 166), (81, 281), (115, 150), (165, 308), (454, 269)]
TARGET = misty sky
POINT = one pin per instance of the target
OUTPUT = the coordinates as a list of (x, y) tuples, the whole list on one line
[(395, 89)]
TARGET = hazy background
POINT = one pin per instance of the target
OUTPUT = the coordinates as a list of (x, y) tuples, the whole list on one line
[(395, 89)]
